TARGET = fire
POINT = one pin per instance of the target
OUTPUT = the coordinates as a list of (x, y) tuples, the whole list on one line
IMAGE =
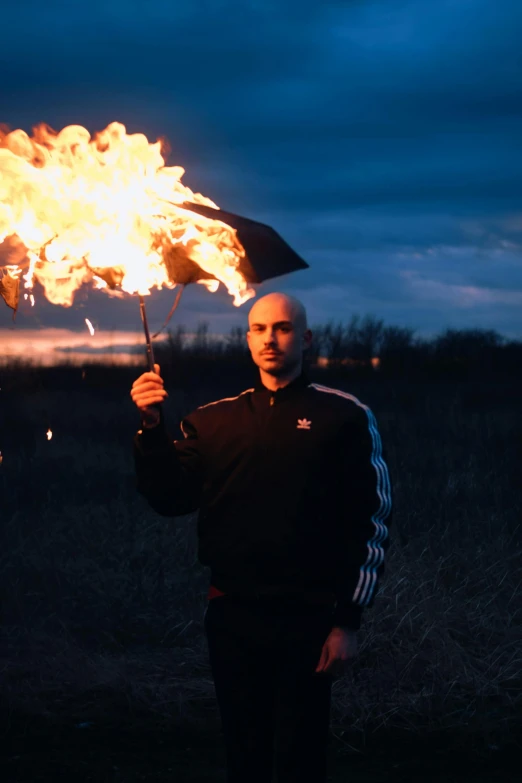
[(90, 327), (105, 210), (49, 434)]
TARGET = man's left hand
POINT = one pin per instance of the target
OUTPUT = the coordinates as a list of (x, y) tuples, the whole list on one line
[(338, 650)]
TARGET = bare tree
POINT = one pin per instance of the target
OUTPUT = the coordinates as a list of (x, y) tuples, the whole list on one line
[(370, 336)]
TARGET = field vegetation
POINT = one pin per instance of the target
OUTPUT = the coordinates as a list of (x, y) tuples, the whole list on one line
[(103, 660)]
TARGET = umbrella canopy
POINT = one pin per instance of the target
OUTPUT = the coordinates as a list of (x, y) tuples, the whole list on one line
[(267, 253), (108, 207)]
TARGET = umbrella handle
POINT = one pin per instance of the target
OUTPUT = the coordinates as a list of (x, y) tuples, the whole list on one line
[(150, 351)]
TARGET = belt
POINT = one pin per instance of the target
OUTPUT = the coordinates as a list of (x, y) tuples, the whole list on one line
[(320, 597)]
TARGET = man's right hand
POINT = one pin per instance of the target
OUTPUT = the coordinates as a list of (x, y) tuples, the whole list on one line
[(148, 391)]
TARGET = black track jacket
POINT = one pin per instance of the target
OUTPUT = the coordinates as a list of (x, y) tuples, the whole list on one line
[(291, 487)]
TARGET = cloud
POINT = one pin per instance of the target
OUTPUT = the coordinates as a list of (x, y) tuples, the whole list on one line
[(359, 129)]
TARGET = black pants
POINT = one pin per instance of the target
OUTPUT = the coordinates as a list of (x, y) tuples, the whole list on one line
[(274, 707)]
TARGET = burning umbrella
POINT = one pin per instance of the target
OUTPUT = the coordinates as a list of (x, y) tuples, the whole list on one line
[(106, 210)]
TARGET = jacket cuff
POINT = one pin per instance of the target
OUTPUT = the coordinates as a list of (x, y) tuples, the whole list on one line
[(347, 615), (151, 439)]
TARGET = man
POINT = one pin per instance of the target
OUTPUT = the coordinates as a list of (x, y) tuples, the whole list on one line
[(294, 505)]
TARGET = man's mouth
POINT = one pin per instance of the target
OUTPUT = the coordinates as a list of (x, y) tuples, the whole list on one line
[(270, 353)]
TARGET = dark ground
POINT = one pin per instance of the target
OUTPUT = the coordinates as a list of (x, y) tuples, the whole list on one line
[(481, 420), (33, 751)]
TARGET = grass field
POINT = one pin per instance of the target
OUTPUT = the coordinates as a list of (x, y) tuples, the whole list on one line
[(103, 660)]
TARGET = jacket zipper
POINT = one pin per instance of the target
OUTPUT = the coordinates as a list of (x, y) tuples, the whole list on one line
[(267, 422)]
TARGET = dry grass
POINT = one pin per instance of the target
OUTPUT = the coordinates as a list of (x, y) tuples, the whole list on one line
[(103, 601)]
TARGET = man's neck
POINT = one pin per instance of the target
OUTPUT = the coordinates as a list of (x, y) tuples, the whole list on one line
[(275, 382)]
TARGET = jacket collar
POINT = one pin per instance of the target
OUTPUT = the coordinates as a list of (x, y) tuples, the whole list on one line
[(286, 391)]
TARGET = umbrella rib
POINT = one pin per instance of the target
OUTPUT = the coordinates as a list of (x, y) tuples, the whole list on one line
[(172, 309)]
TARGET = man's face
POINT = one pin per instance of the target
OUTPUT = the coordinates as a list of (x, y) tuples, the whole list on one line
[(276, 338)]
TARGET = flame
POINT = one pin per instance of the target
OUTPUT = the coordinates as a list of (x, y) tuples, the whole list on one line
[(90, 327), (49, 434), (103, 210)]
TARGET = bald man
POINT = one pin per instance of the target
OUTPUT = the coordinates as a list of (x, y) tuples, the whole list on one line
[(294, 504)]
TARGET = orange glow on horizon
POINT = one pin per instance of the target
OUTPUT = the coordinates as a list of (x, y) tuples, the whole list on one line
[(49, 347)]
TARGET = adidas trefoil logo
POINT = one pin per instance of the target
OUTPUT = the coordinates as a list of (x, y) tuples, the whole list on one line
[(303, 424)]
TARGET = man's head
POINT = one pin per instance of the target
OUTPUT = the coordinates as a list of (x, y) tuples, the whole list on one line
[(278, 334)]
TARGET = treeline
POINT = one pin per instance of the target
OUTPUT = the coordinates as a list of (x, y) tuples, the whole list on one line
[(361, 346)]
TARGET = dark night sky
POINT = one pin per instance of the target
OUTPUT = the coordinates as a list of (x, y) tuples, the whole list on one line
[(381, 138)]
